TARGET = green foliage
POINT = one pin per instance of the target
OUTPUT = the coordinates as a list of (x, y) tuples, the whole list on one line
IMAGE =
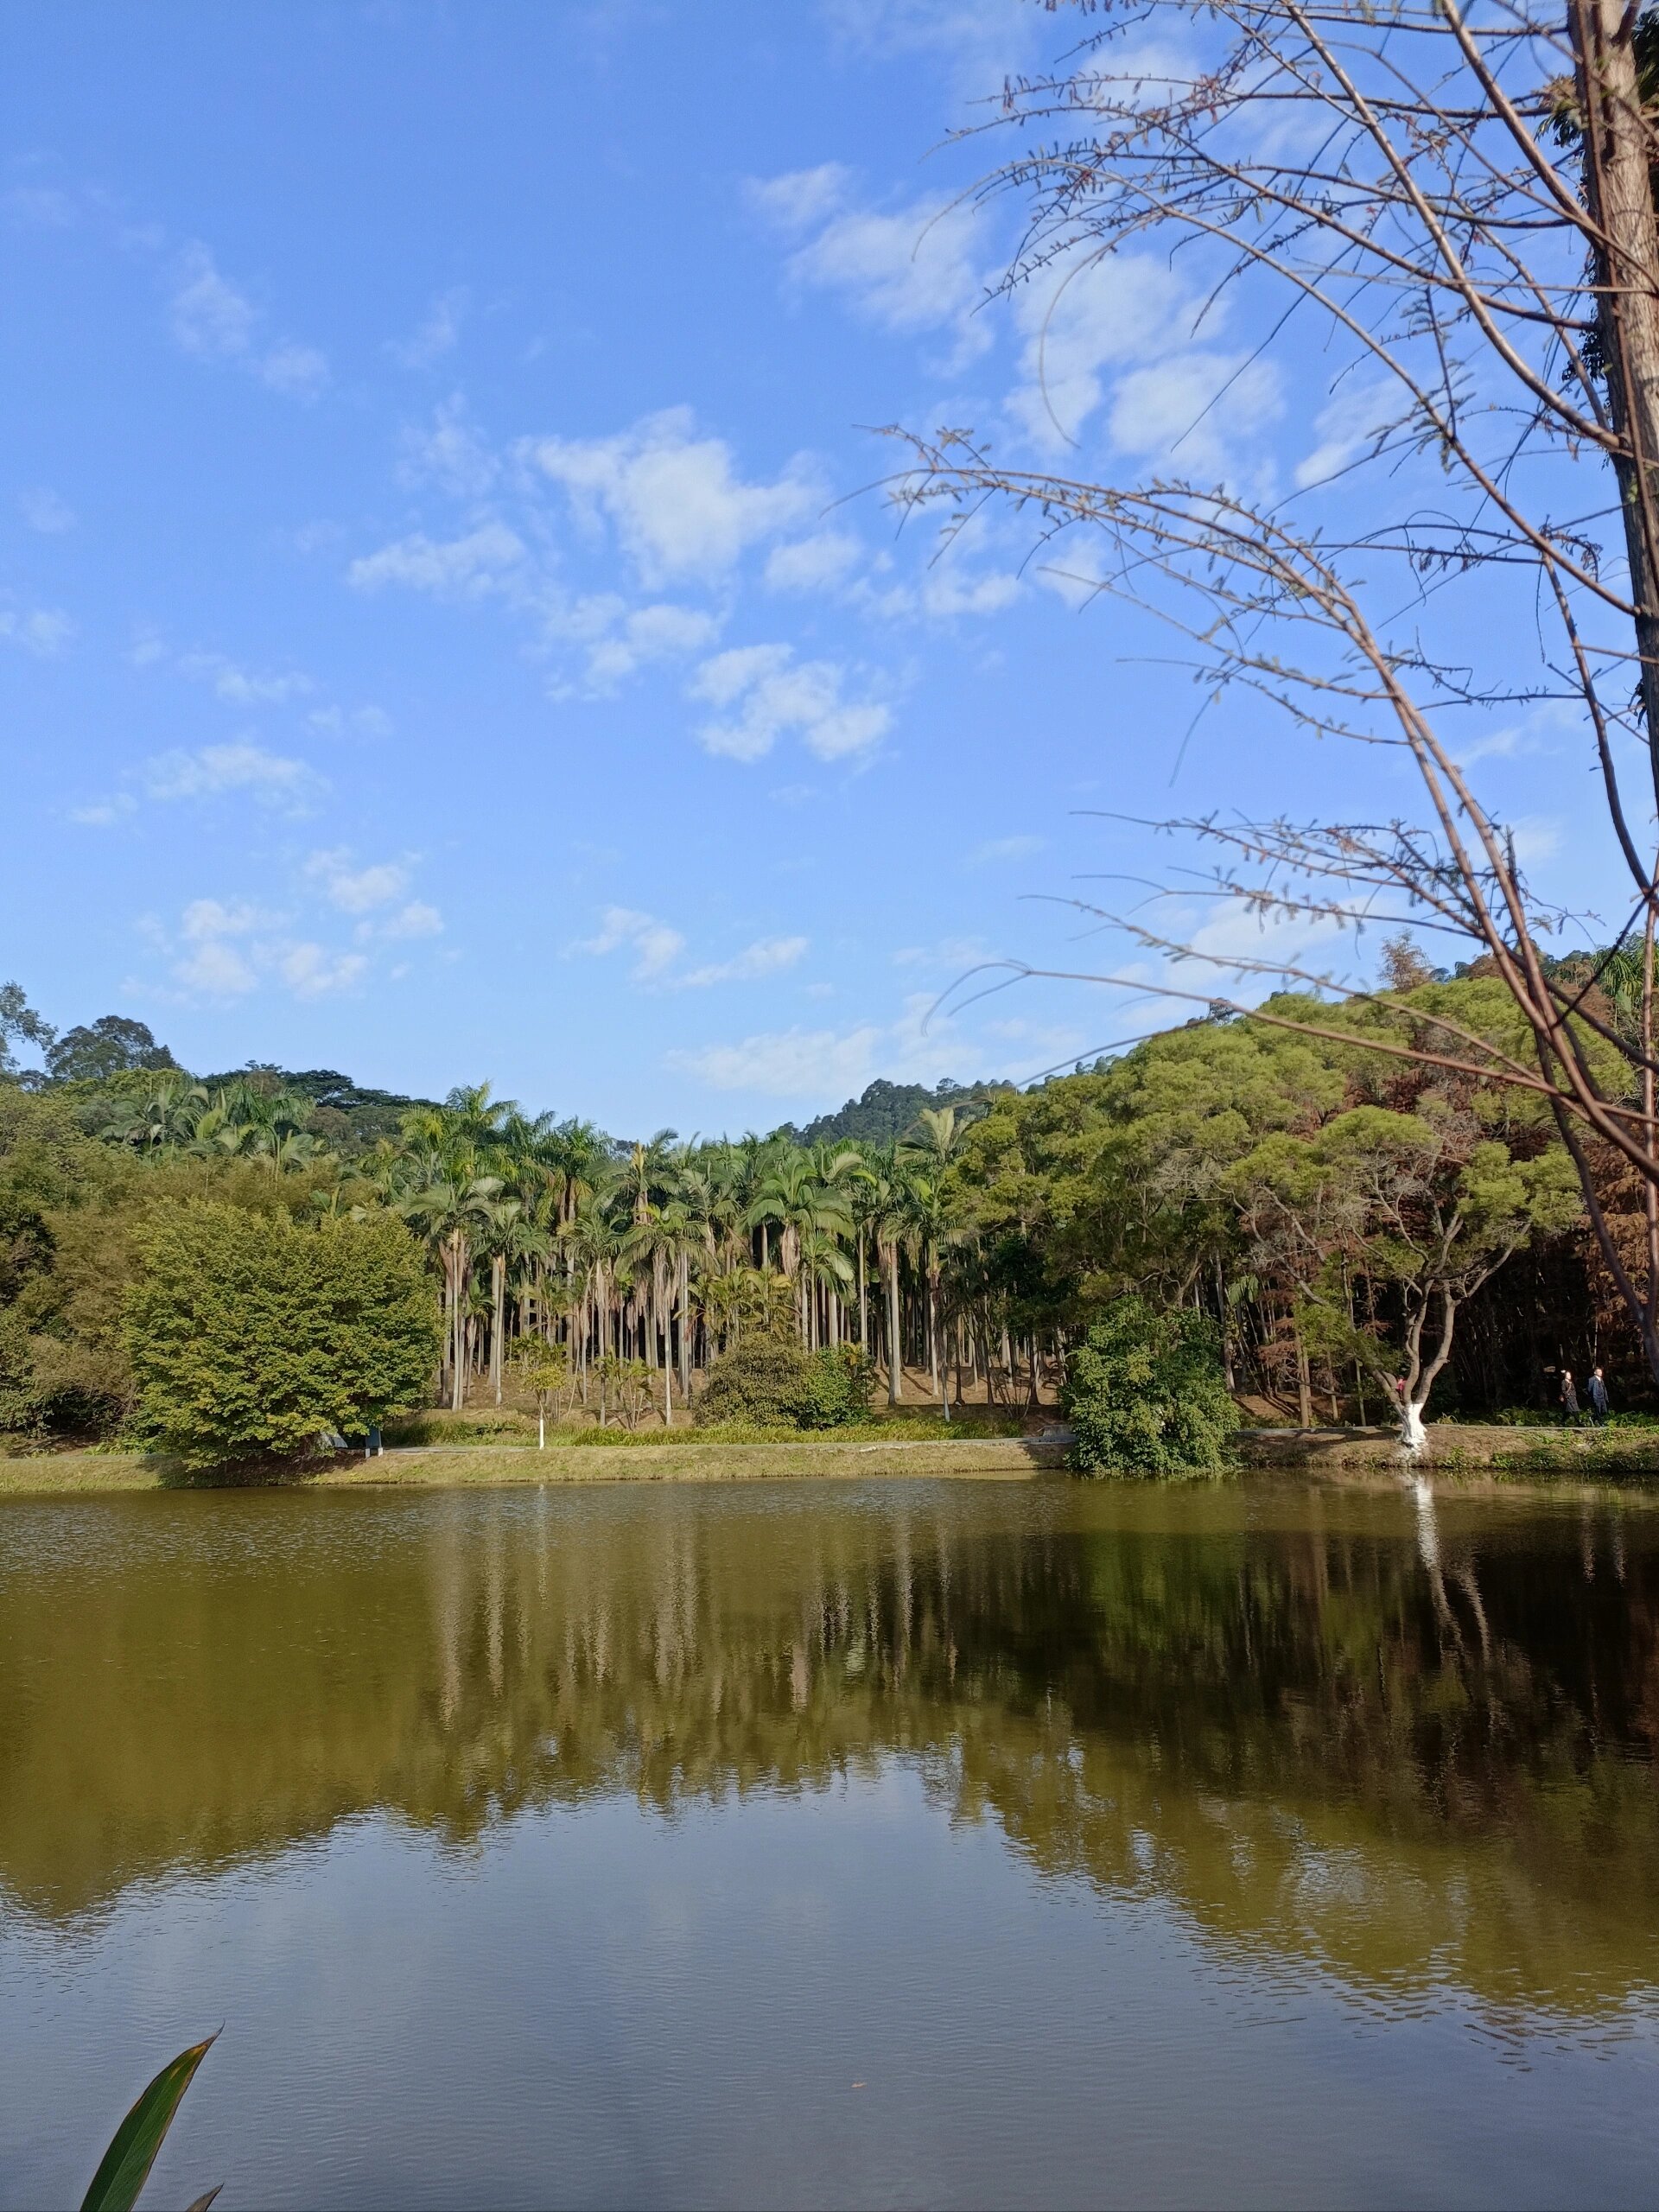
[(769, 1382), (1145, 1395), (251, 1335), (761, 1379), (125, 2165), (113, 1044), (887, 1110), (836, 1387), (20, 1397)]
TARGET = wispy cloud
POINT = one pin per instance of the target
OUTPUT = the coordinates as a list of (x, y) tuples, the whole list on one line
[(767, 956), (438, 333), (213, 320), (43, 631), (910, 269), (43, 510), (244, 687), (654, 945), (675, 500), (996, 850), (469, 567), (270, 777), (762, 694), (378, 892)]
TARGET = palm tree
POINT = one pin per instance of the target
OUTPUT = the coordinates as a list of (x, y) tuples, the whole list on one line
[(891, 1218), (450, 1209), (792, 1196), (934, 1142)]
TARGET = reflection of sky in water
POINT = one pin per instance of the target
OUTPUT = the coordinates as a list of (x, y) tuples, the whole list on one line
[(1126, 1846)]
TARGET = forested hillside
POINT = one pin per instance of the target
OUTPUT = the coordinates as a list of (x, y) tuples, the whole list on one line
[(1348, 1220), (887, 1109)]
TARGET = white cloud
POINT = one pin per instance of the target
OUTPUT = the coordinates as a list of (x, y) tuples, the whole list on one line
[(355, 721), (356, 891), (43, 630), (1348, 426), (453, 453), (105, 812), (438, 333), (802, 197), (796, 1063), (813, 564), (981, 41), (40, 207), (1113, 312), (622, 639), (767, 956), (240, 766), (773, 695), (1006, 849), (676, 501), (1189, 413), (42, 510), (211, 964), (946, 591), (910, 270), (826, 1065), (214, 321), (655, 946), (465, 567), (243, 687), (417, 918), (311, 971)]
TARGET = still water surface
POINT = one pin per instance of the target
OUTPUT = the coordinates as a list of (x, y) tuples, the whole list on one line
[(885, 1843)]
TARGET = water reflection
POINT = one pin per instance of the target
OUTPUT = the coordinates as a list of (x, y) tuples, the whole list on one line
[(1407, 1740)]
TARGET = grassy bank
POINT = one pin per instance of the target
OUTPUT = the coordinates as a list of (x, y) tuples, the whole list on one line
[(664, 1459), (1463, 1448)]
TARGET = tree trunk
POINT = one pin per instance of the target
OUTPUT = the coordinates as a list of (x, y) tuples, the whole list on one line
[(1619, 193), (895, 1356), (1304, 1384)]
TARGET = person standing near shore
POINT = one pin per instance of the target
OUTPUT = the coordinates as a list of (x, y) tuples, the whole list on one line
[(1569, 1395), (1596, 1390)]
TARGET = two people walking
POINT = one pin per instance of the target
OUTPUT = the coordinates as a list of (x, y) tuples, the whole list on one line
[(1595, 1391)]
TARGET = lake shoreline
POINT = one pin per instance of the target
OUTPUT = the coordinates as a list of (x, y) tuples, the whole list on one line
[(437, 1466), (1468, 1461)]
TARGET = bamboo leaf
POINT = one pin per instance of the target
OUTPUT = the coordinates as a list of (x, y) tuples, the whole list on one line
[(132, 2153)]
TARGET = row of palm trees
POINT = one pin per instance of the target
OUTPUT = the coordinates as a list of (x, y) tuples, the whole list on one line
[(660, 1251)]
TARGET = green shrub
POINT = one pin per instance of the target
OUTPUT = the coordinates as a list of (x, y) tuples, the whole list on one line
[(1145, 1395), (252, 1335), (776, 1385), (836, 1388), (20, 1397)]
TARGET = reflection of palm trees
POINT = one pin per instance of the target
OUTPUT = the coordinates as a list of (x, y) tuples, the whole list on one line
[(1270, 1728)]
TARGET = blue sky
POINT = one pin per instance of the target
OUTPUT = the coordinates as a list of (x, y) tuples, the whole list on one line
[(445, 632)]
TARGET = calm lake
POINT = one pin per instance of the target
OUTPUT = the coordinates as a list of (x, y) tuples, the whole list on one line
[(971, 1843)]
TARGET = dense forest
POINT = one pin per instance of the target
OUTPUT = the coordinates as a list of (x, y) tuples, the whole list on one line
[(1355, 1222)]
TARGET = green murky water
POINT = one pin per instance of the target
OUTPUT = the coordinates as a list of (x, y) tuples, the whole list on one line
[(904, 1842)]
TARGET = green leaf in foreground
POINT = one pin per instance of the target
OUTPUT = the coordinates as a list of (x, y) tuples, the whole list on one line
[(131, 2156)]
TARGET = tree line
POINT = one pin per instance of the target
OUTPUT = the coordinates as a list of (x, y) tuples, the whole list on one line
[(1336, 1208)]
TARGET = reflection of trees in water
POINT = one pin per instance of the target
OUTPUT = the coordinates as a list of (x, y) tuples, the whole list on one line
[(1401, 1757)]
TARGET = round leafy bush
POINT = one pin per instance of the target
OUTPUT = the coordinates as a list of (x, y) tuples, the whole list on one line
[(778, 1385), (1145, 1395), (251, 1335)]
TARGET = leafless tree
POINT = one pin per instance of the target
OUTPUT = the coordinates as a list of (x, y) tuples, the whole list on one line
[(1447, 213)]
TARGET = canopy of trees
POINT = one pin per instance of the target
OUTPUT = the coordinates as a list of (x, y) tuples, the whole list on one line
[(1335, 1202)]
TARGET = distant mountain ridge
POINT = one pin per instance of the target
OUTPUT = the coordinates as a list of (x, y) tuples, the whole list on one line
[(887, 1110)]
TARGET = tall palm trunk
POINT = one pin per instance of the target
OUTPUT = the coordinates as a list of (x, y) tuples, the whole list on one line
[(895, 1355), (498, 1317)]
